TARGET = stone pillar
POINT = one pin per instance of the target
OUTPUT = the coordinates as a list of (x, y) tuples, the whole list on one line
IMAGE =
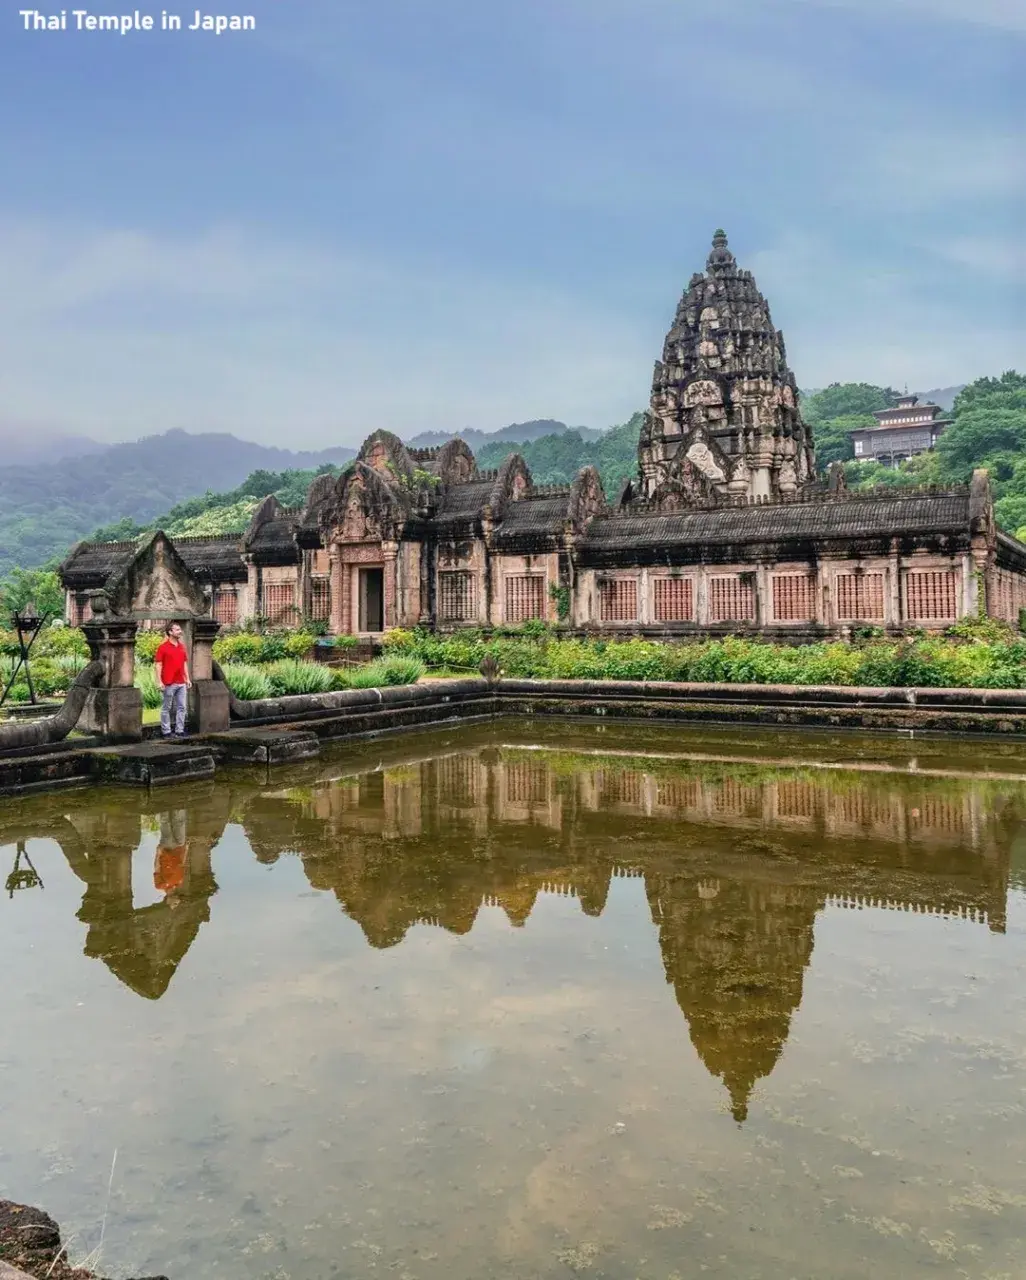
[(252, 592), (763, 598), (114, 709), (894, 614), (390, 552), (209, 710), (979, 606), (819, 593), (335, 621)]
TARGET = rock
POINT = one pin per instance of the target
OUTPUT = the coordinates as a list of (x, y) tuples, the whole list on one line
[(30, 1247), (31, 1230)]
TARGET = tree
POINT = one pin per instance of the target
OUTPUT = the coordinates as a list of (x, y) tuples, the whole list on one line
[(832, 438), (994, 392), (981, 435), (41, 587), (842, 399)]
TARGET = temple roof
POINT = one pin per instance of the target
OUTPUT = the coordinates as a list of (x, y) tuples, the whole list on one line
[(462, 504), (527, 522), (842, 517), (90, 564), (274, 541)]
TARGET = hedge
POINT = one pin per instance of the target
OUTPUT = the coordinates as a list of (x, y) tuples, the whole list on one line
[(973, 657)]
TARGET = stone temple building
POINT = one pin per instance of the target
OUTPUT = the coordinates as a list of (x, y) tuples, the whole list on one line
[(726, 527)]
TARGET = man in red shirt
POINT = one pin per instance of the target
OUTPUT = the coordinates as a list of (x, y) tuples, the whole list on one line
[(172, 665)]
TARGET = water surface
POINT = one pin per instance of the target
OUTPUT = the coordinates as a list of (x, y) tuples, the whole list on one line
[(529, 1001)]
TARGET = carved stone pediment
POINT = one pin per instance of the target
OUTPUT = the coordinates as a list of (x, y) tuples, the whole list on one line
[(365, 508), (587, 498), (703, 391), (157, 584)]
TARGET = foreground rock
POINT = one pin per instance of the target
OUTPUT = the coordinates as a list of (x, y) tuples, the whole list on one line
[(30, 1246)]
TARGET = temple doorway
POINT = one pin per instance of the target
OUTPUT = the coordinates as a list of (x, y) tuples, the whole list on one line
[(372, 599)]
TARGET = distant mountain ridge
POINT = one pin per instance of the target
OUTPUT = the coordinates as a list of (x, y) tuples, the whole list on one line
[(46, 507), (515, 433), (28, 446), (944, 396)]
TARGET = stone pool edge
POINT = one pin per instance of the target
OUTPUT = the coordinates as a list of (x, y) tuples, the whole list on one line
[(296, 727)]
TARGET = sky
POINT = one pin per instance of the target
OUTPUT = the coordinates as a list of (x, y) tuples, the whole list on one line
[(437, 214)]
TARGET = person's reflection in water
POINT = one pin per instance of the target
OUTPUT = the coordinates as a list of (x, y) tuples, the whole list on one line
[(171, 858)]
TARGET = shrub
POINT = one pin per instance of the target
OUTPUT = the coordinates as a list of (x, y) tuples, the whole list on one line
[(246, 681), (289, 676), (239, 647), (345, 641), (299, 644), (147, 643), (57, 642), (386, 671), (146, 683), (396, 638)]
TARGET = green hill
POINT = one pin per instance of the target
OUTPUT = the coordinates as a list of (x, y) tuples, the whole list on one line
[(45, 508)]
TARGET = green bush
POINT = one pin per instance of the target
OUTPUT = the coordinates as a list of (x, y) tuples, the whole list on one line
[(246, 681), (289, 676), (147, 643), (60, 641), (269, 646), (146, 683), (239, 646), (298, 644), (386, 671), (973, 655)]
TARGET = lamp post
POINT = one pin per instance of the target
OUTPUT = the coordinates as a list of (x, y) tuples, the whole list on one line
[(27, 623)]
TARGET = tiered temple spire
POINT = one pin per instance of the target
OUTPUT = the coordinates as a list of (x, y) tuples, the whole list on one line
[(724, 418)]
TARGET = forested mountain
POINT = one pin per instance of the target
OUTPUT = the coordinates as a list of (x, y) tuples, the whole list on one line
[(47, 507), (553, 459), (556, 459), (26, 446), (515, 433)]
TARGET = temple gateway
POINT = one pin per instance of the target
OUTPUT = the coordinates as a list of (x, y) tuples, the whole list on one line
[(725, 528)]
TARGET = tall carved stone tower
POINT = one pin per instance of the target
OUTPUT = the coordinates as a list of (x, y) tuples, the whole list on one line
[(724, 418)]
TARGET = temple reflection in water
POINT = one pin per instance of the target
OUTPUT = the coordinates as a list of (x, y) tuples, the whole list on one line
[(737, 861)]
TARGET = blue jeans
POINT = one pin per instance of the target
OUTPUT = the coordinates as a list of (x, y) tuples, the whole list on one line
[(174, 698)]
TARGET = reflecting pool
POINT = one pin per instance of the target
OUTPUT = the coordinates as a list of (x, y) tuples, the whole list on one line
[(529, 1001)]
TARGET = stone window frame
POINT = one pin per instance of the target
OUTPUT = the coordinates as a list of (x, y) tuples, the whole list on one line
[(910, 599), (274, 604), (320, 597), (535, 575), (617, 581), (860, 577), (740, 582), (808, 577), (689, 583), (457, 595), (226, 615)]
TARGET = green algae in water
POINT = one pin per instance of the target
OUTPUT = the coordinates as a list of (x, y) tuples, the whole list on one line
[(530, 1001)]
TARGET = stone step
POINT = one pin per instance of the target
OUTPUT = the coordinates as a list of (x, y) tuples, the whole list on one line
[(154, 764), (264, 746)]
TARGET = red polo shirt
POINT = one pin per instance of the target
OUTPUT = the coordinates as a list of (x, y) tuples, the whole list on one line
[(172, 659)]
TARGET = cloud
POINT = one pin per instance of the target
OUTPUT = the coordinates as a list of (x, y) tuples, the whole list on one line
[(847, 319), (120, 332), (1004, 15), (913, 167), (1002, 259)]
